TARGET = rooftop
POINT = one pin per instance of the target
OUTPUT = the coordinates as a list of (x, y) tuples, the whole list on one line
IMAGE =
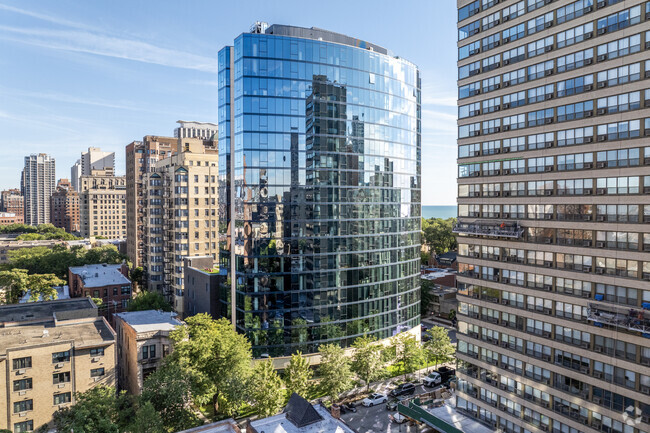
[(62, 292), (86, 332), (38, 311), (150, 320), (301, 417), (225, 426), (100, 275)]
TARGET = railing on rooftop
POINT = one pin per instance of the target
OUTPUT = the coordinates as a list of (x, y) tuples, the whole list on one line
[(631, 319), (492, 229)]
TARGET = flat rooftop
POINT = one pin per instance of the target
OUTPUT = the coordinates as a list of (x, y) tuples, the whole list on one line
[(150, 320), (100, 275), (225, 426), (450, 415), (63, 308), (85, 333), (280, 424)]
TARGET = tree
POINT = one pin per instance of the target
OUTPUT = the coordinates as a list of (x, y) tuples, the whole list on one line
[(367, 361), (42, 286), (218, 359), (146, 300), (95, 411), (137, 276), (266, 390), (439, 348), (169, 391), (438, 234), (426, 296), (408, 352), (297, 375), (15, 283), (147, 420), (334, 370)]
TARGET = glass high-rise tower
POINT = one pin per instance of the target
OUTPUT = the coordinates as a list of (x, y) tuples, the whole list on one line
[(319, 195)]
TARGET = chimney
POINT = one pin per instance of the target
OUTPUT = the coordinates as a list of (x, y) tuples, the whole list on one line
[(336, 411)]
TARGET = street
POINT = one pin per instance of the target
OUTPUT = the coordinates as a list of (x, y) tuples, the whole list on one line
[(376, 419), (428, 323)]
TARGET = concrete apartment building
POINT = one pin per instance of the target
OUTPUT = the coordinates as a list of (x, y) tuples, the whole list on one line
[(108, 282), (141, 156), (191, 129), (205, 287), (38, 184), (11, 201), (554, 245), (103, 204), (143, 341), (64, 207), (48, 352), (181, 217), (93, 159)]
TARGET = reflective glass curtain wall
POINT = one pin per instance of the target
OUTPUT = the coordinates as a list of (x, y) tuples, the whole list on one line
[(320, 191)]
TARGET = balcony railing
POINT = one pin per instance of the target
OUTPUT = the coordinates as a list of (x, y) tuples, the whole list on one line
[(630, 319), (491, 229)]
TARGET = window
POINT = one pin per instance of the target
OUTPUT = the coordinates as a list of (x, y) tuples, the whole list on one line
[(575, 187), (97, 372), (469, 30), (469, 70), (619, 20), (620, 75), (540, 46), (540, 23), (574, 10), (618, 48), (575, 35), (540, 117), (491, 63), (490, 105), (513, 33), (516, 144), (22, 384), (24, 426), (469, 10), (618, 158), (470, 130), (61, 377), (23, 406), (514, 55), (469, 50), (514, 122), (469, 150), (491, 126), (149, 351), (540, 141), (514, 77), (21, 363), (540, 70), (514, 100), (469, 110), (98, 351), (489, 84), (617, 185), (575, 111), (469, 90), (491, 41), (63, 398), (617, 103), (541, 93), (577, 161), (539, 187), (512, 12), (575, 85)]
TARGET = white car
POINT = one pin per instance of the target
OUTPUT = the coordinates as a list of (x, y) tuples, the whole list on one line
[(374, 399)]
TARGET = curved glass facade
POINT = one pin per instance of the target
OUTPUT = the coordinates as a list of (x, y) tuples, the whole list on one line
[(319, 165)]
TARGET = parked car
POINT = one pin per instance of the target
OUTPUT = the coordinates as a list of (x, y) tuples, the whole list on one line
[(350, 407), (374, 399), (399, 418), (403, 389), (439, 377), (393, 402)]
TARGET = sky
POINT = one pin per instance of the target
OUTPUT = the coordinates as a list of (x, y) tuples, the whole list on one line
[(78, 74)]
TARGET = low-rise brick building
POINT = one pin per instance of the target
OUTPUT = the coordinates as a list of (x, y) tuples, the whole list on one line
[(110, 283)]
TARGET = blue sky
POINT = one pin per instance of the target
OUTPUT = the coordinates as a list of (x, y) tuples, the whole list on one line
[(77, 74)]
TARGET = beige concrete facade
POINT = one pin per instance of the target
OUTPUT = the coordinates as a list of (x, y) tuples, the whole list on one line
[(137, 332), (181, 217), (553, 194), (103, 205), (48, 352), (141, 156)]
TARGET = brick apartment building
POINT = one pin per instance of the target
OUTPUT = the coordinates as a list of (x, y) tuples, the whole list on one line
[(110, 283)]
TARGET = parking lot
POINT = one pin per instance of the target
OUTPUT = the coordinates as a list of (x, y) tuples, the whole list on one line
[(376, 419)]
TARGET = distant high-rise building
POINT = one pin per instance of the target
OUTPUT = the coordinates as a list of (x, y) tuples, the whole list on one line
[(93, 159), (64, 207), (12, 201), (141, 156), (102, 199), (38, 183), (201, 130), (75, 175), (181, 215), (319, 177), (553, 212)]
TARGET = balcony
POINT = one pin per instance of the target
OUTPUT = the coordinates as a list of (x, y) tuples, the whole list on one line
[(630, 319), (490, 229)]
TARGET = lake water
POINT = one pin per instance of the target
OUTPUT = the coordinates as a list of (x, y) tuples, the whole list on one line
[(443, 212)]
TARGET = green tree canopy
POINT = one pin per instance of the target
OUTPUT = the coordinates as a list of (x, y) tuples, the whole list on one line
[(218, 359), (43, 231), (266, 390), (147, 420), (95, 411), (297, 375), (408, 352), (439, 348), (146, 300), (426, 296), (15, 283), (367, 361), (437, 234), (169, 390), (334, 370)]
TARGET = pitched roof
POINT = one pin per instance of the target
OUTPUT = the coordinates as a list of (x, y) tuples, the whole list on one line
[(300, 412)]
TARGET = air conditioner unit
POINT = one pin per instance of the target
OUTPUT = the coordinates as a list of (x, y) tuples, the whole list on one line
[(22, 392), (548, 72), (21, 371), (602, 57), (548, 48), (602, 31), (601, 191), (587, 165), (95, 359), (589, 139), (548, 168), (600, 271), (588, 191), (506, 61), (59, 365), (602, 138), (601, 111), (61, 385), (588, 87), (548, 24)]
